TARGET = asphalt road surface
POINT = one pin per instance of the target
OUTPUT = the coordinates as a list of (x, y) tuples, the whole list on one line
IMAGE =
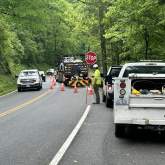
[(35, 124), (96, 144)]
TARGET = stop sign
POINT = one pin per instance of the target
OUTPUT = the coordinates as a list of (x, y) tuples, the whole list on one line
[(90, 58)]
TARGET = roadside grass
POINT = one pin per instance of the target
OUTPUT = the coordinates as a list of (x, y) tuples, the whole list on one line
[(7, 84)]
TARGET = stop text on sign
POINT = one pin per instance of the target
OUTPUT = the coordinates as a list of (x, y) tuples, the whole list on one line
[(90, 58)]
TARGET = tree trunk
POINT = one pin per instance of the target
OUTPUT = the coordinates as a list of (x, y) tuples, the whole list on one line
[(146, 39), (102, 39)]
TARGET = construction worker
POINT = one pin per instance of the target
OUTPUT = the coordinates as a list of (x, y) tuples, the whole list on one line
[(96, 83)]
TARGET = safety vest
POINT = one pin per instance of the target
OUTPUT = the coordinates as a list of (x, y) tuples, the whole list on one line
[(97, 78)]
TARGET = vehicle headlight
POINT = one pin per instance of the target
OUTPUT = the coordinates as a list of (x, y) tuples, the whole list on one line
[(18, 81), (34, 80)]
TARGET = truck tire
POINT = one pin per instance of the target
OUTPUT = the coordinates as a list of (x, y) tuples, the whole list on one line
[(103, 97), (119, 130), (108, 102), (66, 82)]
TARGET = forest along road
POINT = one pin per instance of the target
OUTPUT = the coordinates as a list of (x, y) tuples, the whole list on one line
[(35, 124)]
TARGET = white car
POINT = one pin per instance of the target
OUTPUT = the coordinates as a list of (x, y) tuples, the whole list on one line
[(29, 79), (50, 72)]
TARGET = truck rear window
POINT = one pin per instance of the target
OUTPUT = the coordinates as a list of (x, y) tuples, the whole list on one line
[(144, 69)]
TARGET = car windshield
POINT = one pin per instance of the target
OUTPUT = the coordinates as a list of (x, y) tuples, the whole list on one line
[(28, 73), (144, 70)]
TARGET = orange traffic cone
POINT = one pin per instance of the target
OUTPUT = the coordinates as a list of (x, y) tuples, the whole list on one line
[(51, 85), (75, 89), (90, 91), (62, 87), (54, 81)]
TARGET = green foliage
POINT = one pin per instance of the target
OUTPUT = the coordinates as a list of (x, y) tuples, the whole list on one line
[(7, 84), (35, 33), (137, 27), (11, 49)]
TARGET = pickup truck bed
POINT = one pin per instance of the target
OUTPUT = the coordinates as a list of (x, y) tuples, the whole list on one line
[(145, 107)]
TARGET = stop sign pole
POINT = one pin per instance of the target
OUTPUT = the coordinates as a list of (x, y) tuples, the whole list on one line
[(90, 58)]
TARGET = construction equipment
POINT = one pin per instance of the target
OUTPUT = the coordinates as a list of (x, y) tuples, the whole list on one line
[(73, 72)]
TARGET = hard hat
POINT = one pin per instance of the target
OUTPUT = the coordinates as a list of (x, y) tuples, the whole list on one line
[(95, 66)]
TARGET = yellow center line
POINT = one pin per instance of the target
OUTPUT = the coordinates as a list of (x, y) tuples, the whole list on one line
[(19, 107)]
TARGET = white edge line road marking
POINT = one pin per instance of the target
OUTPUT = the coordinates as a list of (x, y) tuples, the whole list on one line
[(59, 155), (8, 93)]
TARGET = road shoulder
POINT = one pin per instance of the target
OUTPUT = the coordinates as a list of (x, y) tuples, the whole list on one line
[(88, 147)]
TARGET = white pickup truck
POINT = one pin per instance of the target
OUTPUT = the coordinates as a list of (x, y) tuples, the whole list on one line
[(139, 97)]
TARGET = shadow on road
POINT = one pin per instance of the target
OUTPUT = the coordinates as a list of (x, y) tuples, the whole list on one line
[(146, 136)]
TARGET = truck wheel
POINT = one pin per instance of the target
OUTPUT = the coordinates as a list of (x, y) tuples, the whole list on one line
[(103, 97), (108, 102), (119, 130), (66, 82)]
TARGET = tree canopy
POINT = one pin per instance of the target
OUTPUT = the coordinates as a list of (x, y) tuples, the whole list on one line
[(39, 33)]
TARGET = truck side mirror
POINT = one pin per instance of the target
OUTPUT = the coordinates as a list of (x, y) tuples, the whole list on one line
[(16, 76)]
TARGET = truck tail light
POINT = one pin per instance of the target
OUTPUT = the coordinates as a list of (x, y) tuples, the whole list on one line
[(122, 86), (109, 86)]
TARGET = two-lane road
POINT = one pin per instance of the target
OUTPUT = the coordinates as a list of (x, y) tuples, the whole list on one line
[(36, 124)]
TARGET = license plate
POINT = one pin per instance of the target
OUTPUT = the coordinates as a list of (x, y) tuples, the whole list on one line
[(28, 85)]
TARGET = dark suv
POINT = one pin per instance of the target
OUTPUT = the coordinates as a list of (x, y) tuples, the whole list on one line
[(108, 88)]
